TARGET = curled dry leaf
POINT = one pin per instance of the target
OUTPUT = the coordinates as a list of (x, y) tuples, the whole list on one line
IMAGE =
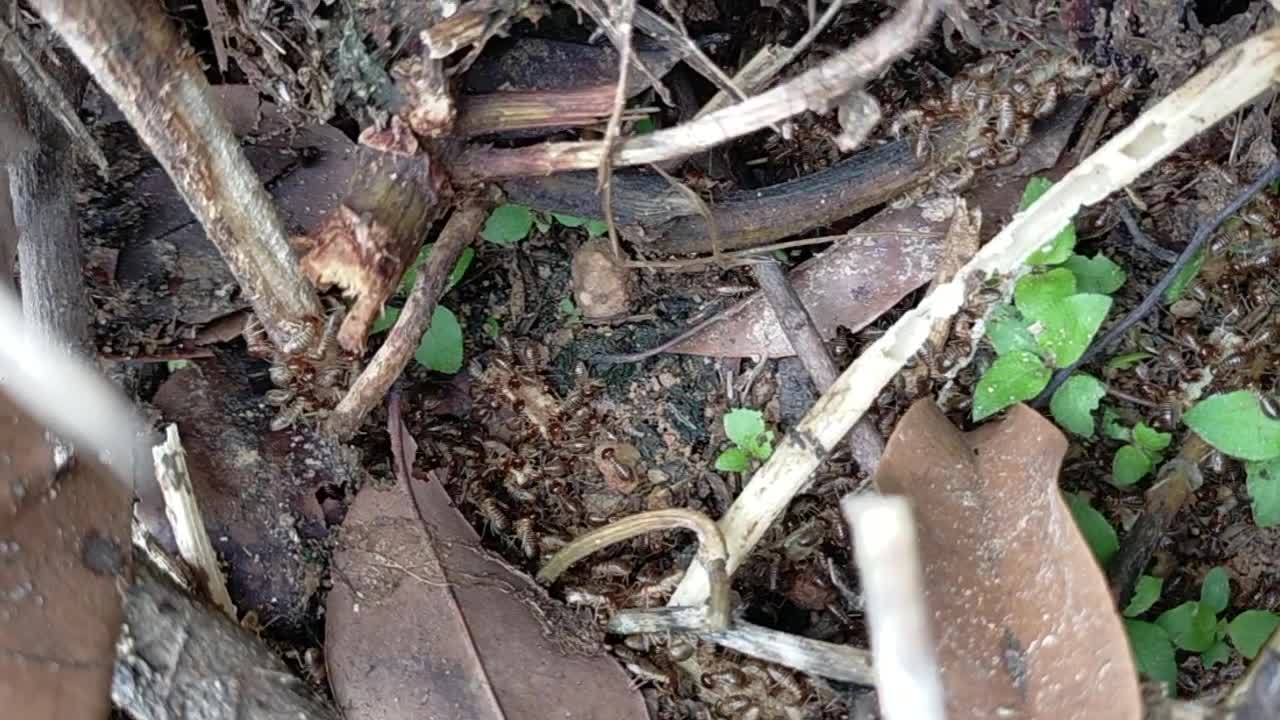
[(256, 489), (422, 622), (64, 548), (1024, 620), (849, 285)]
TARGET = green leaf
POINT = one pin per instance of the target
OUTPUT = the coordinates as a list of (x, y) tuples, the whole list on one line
[(455, 276), (1215, 592), (1129, 466), (1191, 625), (441, 347), (569, 310), (764, 448), (644, 126), (1073, 403), (1183, 279), (1150, 439), (1145, 594), (1008, 332), (460, 268), (492, 327), (1263, 484), (1067, 331), (1096, 275), (176, 365), (542, 222), (385, 321), (1035, 189), (1153, 652), (569, 221), (1011, 378), (1037, 294), (1127, 360), (1097, 532), (744, 427), (596, 228), (1111, 426), (733, 460), (1235, 424), (1219, 652), (1251, 629), (508, 224)]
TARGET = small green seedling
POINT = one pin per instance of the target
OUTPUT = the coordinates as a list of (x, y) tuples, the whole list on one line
[(510, 223), (492, 327), (441, 347), (570, 311), (1235, 424), (751, 441), (1193, 626), (1058, 308), (1097, 532), (1144, 451)]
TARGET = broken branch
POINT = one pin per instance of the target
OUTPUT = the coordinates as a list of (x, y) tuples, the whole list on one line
[(396, 351), (816, 89), (138, 59), (1235, 78)]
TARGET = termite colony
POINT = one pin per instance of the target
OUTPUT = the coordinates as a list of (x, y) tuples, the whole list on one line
[(995, 104), (306, 385)]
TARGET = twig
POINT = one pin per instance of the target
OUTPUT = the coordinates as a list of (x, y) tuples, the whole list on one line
[(1140, 238), (599, 12), (217, 21), (750, 78), (902, 645), (711, 552), (186, 521), (396, 351), (1154, 295), (138, 59), (656, 27), (67, 394), (626, 10), (1235, 78), (815, 657), (49, 94), (864, 439), (815, 89)]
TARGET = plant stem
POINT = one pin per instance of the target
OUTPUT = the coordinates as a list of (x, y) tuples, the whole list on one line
[(415, 318), (154, 79)]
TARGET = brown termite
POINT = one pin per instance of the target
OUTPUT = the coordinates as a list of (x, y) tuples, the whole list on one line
[(1006, 116), (1122, 93), (790, 686), (960, 180), (734, 706), (611, 569), (1048, 102), (289, 415), (278, 396), (1022, 131), (727, 678), (679, 649), (1234, 361), (280, 375), (526, 536), (1270, 407), (1260, 338), (492, 513)]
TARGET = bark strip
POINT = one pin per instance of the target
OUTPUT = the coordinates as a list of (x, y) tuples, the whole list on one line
[(138, 59)]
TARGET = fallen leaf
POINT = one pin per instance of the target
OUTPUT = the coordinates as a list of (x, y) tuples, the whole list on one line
[(422, 622), (64, 550), (256, 489), (1024, 621), (849, 285)]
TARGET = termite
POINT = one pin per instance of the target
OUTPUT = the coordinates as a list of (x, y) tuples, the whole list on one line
[(525, 536)]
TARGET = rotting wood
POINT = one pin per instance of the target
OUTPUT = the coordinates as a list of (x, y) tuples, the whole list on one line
[(1238, 76), (815, 89), (14, 140), (179, 659), (507, 111), (401, 342), (138, 59), (367, 242)]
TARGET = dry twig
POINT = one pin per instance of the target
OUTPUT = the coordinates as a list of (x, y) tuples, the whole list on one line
[(710, 552), (902, 646), (1236, 77), (816, 89), (396, 351), (138, 59)]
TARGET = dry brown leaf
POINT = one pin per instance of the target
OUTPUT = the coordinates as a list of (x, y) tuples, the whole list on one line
[(422, 623), (1025, 623), (256, 489), (64, 549), (849, 285)]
